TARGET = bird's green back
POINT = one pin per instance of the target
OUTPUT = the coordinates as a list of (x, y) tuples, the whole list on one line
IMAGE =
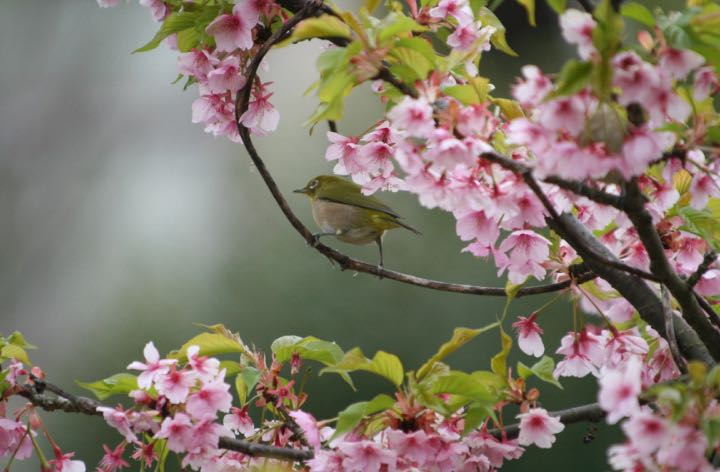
[(339, 190)]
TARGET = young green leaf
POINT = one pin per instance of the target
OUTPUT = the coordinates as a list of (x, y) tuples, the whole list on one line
[(174, 23), (638, 12), (351, 416), (325, 26), (383, 364), (460, 337), (118, 384)]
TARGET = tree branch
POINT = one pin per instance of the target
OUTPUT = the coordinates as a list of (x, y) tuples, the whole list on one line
[(641, 296), (346, 262), (659, 265), (37, 395), (707, 262)]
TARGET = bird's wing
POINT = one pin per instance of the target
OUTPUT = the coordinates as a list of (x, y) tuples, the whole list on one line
[(362, 201)]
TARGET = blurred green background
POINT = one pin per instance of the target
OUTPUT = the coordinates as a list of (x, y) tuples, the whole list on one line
[(122, 222)]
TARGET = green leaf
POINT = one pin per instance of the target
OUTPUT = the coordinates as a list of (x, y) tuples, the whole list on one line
[(498, 363), (465, 93), (573, 77), (523, 371), (211, 344), (371, 5), (498, 39), (325, 26), (511, 110), (310, 348), (411, 65), (351, 416), (529, 6), (231, 367), (383, 364), (475, 415), (463, 384), (241, 389), (543, 369), (460, 337), (174, 23), (250, 376), (17, 339), (188, 39), (702, 223), (638, 12), (397, 25), (118, 384), (558, 5), (12, 351)]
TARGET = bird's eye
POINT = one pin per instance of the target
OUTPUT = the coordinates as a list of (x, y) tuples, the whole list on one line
[(313, 184)]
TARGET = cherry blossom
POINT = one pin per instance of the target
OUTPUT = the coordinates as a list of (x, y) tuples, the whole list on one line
[(529, 340), (14, 436), (232, 31), (366, 456), (539, 428), (577, 28), (619, 389), (153, 367)]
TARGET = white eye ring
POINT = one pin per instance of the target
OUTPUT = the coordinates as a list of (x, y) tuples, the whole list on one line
[(313, 184)]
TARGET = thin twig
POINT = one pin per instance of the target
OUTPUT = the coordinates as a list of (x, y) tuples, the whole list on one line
[(707, 262), (36, 394), (670, 328)]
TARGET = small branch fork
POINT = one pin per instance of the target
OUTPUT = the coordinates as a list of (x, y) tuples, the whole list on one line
[(591, 412), (52, 398)]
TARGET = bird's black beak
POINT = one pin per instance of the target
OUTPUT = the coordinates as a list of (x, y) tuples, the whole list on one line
[(300, 190)]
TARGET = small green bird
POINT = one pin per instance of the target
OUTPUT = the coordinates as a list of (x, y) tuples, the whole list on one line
[(341, 210)]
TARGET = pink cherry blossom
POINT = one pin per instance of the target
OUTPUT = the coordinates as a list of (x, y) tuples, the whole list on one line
[(119, 419), (679, 62), (177, 431), (529, 332), (702, 188), (207, 368), (326, 461), (646, 431), (158, 9), (205, 434), (63, 463), (685, 452), (476, 225), (566, 114), (412, 447), (261, 116), (577, 28), (345, 150), (619, 389), (113, 460), (14, 436), (153, 367), (414, 115), (175, 385), (232, 31), (308, 424), (460, 9), (226, 76), (533, 88), (583, 351), (239, 420), (214, 396), (527, 252), (640, 148), (196, 63), (539, 428), (706, 83), (366, 456)]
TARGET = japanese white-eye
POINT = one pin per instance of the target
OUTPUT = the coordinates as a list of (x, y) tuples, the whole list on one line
[(341, 210)]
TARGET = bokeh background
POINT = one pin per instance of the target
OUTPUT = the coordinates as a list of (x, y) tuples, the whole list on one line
[(122, 222)]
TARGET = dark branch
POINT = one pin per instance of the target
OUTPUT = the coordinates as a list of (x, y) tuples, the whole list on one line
[(659, 265), (636, 291), (37, 395), (670, 327), (707, 262), (581, 189)]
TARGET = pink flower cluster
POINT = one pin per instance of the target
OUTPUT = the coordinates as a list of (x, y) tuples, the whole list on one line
[(440, 448), (219, 71)]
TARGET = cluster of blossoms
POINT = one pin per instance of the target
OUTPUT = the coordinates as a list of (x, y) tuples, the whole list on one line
[(218, 66), (438, 143)]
